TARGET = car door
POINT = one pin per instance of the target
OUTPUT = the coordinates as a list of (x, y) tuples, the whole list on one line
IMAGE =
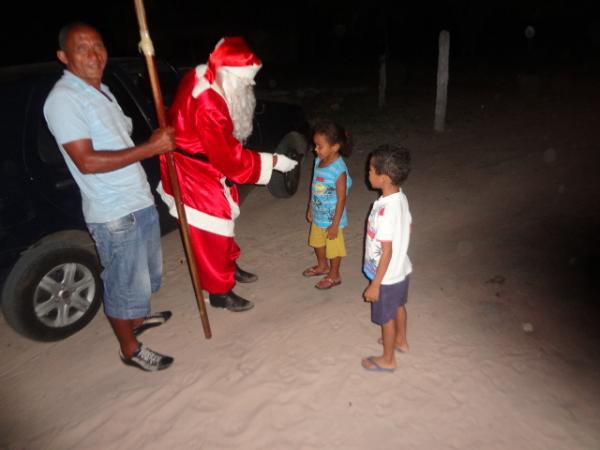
[(17, 208)]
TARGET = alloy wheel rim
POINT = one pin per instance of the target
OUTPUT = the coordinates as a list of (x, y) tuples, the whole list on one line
[(64, 294)]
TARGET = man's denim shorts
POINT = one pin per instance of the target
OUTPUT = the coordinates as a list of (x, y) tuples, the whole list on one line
[(391, 297), (130, 253)]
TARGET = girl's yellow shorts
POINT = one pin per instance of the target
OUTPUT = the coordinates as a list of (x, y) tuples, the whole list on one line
[(333, 247)]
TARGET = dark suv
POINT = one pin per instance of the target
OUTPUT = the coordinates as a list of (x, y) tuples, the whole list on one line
[(49, 270)]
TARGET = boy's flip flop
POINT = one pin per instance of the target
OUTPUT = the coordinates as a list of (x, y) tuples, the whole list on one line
[(313, 272), (374, 367), (327, 283)]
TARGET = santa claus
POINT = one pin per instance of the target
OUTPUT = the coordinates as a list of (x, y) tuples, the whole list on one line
[(212, 116)]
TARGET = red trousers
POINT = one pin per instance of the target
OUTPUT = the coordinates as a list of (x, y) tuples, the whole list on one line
[(215, 258)]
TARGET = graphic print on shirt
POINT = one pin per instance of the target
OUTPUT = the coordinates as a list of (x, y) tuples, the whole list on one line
[(324, 193), (322, 198), (373, 246)]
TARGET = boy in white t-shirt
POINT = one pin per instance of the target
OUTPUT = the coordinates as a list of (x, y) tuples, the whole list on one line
[(386, 261)]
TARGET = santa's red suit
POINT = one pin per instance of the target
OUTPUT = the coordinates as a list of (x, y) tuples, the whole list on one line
[(210, 158)]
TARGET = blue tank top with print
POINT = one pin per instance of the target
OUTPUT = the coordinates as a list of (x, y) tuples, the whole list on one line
[(323, 193)]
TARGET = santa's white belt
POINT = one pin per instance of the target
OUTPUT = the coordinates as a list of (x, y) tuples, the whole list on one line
[(202, 220)]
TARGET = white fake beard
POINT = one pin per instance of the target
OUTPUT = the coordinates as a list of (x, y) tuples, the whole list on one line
[(241, 100)]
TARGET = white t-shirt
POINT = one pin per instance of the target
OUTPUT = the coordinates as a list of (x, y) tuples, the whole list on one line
[(389, 220)]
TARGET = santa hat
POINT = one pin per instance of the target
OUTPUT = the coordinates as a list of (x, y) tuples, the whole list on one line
[(231, 54)]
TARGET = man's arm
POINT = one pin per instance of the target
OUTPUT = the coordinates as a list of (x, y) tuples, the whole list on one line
[(89, 160)]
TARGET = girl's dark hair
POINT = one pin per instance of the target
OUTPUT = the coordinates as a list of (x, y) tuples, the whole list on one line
[(393, 161), (335, 134)]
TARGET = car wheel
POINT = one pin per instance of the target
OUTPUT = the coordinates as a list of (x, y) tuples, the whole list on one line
[(284, 185), (54, 290)]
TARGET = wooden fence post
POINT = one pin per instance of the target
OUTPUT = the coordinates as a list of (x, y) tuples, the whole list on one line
[(442, 81)]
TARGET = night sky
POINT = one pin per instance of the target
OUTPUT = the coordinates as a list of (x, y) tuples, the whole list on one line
[(315, 33)]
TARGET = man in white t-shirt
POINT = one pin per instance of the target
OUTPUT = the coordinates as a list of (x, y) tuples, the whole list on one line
[(386, 262)]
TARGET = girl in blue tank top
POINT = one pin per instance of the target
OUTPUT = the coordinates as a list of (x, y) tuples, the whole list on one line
[(327, 208)]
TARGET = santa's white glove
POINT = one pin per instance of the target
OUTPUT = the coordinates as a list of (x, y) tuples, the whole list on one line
[(284, 164)]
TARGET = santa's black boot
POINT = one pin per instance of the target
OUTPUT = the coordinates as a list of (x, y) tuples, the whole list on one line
[(241, 276), (230, 301)]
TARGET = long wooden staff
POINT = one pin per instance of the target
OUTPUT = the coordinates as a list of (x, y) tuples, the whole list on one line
[(148, 49)]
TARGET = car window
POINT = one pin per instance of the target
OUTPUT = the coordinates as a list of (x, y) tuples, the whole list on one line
[(168, 79), (41, 138), (49, 176)]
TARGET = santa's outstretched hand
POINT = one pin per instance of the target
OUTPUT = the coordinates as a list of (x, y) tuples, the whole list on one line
[(283, 163)]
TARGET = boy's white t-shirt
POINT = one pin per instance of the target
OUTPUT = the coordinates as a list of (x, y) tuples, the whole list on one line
[(389, 220)]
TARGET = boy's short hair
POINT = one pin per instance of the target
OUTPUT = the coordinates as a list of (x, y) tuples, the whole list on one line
[(393, 161)]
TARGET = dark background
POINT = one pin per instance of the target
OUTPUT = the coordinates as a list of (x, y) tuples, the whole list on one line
[(501, 82), (314, 38)]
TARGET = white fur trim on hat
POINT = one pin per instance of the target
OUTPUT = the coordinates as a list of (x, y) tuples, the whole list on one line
[(202, 84), (246, 72)]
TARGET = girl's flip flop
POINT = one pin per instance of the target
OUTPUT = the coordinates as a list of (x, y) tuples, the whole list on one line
[(313, 272), (327, 283)]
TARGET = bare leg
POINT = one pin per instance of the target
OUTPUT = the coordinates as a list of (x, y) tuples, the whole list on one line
[(388, 336), (321, 259), (401, 321), (124, 331), (334, 271)]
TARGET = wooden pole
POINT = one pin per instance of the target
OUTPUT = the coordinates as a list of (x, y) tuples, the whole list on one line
[(442, 81), (147, 48)]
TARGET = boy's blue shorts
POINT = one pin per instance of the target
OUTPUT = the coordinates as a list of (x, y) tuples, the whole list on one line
[(391, 297)]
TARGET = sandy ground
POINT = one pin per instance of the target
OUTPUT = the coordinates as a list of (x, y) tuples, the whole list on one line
[(503, 311)]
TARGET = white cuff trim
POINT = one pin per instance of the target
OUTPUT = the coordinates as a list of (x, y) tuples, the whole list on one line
[(266, 168)]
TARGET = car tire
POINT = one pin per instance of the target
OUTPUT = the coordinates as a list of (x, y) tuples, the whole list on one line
[(284, 185), (54, 289)]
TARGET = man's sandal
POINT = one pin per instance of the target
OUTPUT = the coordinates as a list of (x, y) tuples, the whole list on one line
[(314, 272), (327, 283), (152, 321)]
